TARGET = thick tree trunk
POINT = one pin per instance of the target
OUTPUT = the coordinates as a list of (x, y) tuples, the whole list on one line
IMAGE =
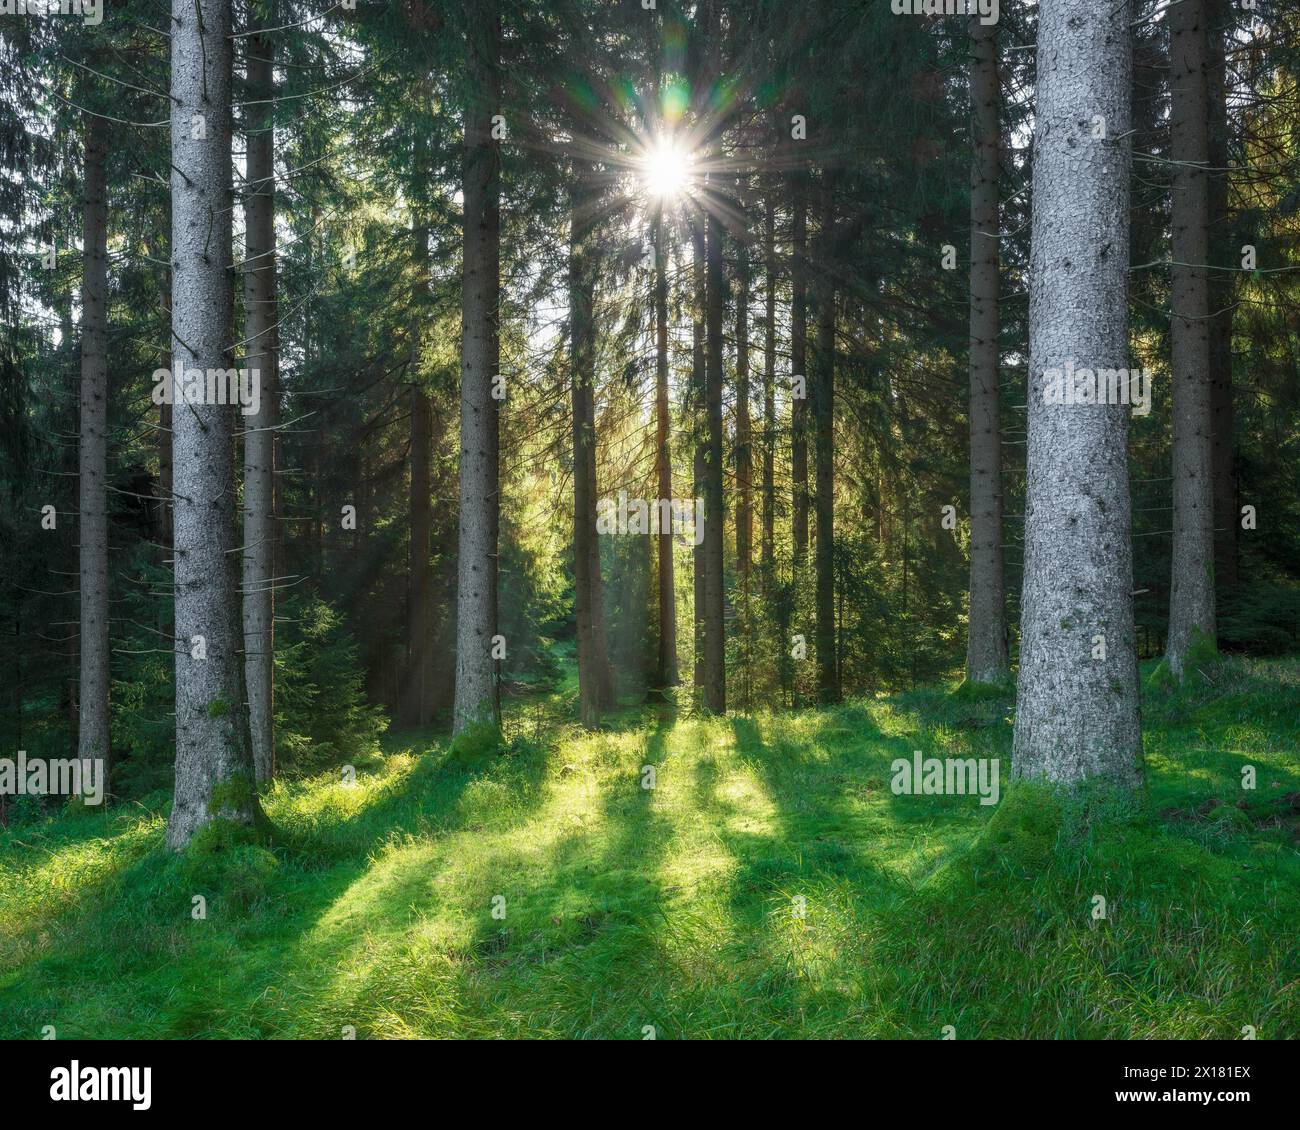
[(261, 356), (214, 760), (1077, 716), (799, 367), (715, 514), (1191, 598), (768, 485), (666, 673), (822, 389), (477, 697), (986, 635), (1223, 252), (92, 504)]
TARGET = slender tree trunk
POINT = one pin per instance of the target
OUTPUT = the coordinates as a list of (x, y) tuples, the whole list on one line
[(261, 356), (986, 635), (822, 387), (768, 487), (477, 699), (599, 640), (419, 611), (1077, 716), (582, 331), (744, 455), (214, 760), (165, 477), (419, 626), (715, 514), (1222, 254), (799, 367), (315, 528), (666, 673), (92, 505), (1191, 599), (162, 510), (744, 452), (698, 385)]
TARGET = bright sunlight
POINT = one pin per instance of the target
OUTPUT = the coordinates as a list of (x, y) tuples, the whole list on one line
[(666, 170)]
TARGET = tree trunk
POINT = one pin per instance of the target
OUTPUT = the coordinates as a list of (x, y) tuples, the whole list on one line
[(92, 504), (1191, 597), (419, 611), (261, 356), (419, 622), (163, 510), (822, 388), (799, 368), (768, 488), (698, 385), (1223, 252), (215, 776), (1077, 716), (744, 453), (715, 514), (582, 332), (986, 633), (599, 641), (477, 696), (666, 673)]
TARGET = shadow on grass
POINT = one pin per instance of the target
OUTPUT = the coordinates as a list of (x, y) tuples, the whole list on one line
[(595, 913), (137, 940)]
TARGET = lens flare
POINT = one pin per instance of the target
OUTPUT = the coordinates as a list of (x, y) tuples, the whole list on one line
[(666, 170)]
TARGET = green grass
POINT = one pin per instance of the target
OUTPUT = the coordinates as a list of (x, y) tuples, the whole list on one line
[(680, 907)]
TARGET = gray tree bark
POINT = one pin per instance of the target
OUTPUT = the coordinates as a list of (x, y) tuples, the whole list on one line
[(599, 640), (261, 355), (698, 448), (1191, 597), (821, 387), (419, 610), (666, 674), (715, 514), (1077, 716), (419, 615), (477, 696), (767, 553), (214, 761), (92, 503), (165, 483), (986, 634), (583, 359), (799, 366), (744, 450), (1223, 253)]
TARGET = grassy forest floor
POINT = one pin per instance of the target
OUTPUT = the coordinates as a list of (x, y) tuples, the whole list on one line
[(678, 907)]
